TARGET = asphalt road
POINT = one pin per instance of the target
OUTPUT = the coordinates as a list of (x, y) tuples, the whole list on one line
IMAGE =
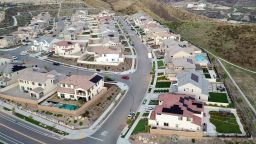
[(113, 126)]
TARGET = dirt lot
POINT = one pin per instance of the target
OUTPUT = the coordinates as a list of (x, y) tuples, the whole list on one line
[(95, 111), (126, 65), (148, 138)]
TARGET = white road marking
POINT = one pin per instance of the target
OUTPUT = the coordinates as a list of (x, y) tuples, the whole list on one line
[(104, 133), (10, 139), (23, 134), (29, 128), (95, 138)]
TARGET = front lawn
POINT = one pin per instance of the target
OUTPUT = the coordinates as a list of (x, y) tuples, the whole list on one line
[(142, 126), (153, 102), (218, 97), (160, 64), (224, 122), (163, 84)]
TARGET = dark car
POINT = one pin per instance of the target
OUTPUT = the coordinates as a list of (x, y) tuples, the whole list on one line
[(56, 63), (125, 77), (220, 88)]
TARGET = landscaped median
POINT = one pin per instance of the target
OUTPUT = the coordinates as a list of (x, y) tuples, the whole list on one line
[(130, 122), (31, 120)]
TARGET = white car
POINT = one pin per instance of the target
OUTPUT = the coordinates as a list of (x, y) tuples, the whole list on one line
[(23, 53), (14, 57), (150, 108)]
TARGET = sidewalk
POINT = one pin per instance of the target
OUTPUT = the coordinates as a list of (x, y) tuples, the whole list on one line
[(81, 133)]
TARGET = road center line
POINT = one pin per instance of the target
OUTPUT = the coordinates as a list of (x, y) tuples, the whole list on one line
[(23, 134)]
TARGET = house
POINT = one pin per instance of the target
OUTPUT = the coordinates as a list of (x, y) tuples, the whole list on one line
[(79, 15), (177, 65), (175, 49), (9, 74), (177, 112), (7, 41), (104, 55), (80, 87), (5, 59), (67, 49), (105, 16), (191, 83), (140, 19), (38, 83)]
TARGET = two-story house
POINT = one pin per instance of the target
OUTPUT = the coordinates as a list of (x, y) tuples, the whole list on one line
[(37, 83), (67, 49), (80, 87), (192, 83), (177, 112)]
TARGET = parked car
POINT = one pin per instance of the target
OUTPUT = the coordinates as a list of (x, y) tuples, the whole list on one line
[(125, 77), (220, 88), (14, 57), (150, 108), (56, 63), (23, 53)]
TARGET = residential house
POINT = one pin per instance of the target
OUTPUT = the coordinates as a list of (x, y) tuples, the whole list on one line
[(176, 49), (177, 112), (9, 74), (79, 15), (67, 49), (104, 55), (38, 83), (177, 65), (80, 87), (191, 83)]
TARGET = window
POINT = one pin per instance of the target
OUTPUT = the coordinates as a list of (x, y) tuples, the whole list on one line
[(62, 95), (188, 119), (39, 84), (177, 125), (71, 96), (166, 124), (180, 118), (63, 85), (192, 90), (33, 83)]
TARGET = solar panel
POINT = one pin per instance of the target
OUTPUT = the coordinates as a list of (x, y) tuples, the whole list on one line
[(194, 77), (175, 109), (96, 79)]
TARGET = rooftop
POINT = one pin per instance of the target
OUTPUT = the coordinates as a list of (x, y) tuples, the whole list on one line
[(180, 105)]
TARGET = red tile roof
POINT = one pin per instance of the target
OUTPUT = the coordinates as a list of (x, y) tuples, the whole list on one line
[(188, 107)]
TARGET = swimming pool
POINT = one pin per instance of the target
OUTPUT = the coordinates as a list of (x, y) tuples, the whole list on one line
[(200, 58), (66, 106)]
